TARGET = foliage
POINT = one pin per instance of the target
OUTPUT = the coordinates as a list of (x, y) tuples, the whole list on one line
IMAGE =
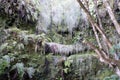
[(4, 64), (67, 64), (19, 12), (20, 69), (23, 50), (112, 77), (22, 40), (8, 64), (30, 71), (3, 46), (22, 58), (115, 48)]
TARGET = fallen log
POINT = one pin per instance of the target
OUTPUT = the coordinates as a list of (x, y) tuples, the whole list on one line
[(38, 43), (63, 49)]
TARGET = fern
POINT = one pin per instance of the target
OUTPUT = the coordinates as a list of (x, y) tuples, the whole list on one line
[(4, 63), (3, 46), (30, 71), (114, 48), (20, 69)]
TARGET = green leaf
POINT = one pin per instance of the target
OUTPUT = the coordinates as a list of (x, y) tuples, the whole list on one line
[(20, 69), (67, 63), (114, 48), (3, 46), (7, 58), (3, 65), (30, 71), (20, 46), (66, 70)]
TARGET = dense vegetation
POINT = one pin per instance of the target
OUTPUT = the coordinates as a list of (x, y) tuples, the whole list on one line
[(43, 40)]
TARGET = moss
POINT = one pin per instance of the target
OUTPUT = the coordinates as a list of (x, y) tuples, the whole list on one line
[(104, 73), (84, 54)]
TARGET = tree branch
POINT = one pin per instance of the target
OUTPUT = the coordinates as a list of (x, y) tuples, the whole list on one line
[(100, 24), (94, 24), (91, 21), (103, 57), (111, 14)]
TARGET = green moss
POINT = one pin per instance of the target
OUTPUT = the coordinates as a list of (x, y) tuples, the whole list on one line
[(104, 73), (84, 54)]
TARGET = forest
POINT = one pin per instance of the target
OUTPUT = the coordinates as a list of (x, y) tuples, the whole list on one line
[(59, 39)]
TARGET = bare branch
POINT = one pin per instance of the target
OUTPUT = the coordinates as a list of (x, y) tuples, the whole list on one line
[(111, 14), (103, 57), (97, 14), (100, 24), (94, 24)]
